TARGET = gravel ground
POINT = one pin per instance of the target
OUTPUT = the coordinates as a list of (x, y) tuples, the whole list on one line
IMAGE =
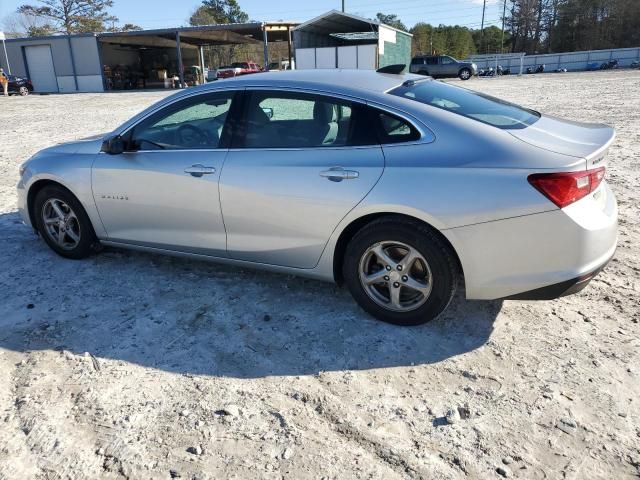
[(140, 366)]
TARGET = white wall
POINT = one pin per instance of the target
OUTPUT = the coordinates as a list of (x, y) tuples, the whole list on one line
[(326, 57), (363, 57)]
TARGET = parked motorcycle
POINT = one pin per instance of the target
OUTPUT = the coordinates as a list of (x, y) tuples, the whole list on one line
[(610, 65), (490, 72), (539, 69)]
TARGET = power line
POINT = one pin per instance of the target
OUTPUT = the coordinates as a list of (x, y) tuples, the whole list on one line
[(356, 6)]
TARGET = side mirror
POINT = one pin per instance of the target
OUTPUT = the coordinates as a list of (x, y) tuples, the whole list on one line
[(268, 111), (113, 146)]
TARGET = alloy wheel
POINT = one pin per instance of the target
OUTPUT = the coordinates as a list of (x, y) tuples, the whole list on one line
[(395, 276), (61, 224)]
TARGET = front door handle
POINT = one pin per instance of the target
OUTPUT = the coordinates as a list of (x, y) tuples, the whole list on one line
[(199, 170), (337, 174)]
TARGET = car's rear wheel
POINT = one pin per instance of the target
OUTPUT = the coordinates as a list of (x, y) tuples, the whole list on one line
[(400, 271), (464, 74), (23, 91), (63, 223)]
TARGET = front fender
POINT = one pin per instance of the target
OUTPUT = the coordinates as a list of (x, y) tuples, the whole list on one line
[(73, 172)]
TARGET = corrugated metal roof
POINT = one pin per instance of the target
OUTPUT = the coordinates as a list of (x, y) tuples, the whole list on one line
[(194, 35), (334, 20)]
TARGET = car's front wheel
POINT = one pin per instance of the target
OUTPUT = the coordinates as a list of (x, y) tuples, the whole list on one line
[(400, 271), (464, 74), (63, 222)]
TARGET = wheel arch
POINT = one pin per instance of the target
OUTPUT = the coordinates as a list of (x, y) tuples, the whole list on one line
[(357, 224), (36, 187)]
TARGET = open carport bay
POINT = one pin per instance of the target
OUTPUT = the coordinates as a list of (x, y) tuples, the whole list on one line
[(269, 376)]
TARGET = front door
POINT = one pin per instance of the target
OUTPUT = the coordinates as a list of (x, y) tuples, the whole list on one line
[(448, 66), (303, 161), (163, 190)]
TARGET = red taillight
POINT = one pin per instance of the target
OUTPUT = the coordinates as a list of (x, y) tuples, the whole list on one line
[(567, 187)]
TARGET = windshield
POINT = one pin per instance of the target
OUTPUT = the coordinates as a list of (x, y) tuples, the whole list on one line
[(467, 103)]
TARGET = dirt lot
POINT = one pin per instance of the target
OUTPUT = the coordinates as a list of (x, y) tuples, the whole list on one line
[(140, 366)]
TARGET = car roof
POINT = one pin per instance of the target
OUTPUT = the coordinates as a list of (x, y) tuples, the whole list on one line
[(335, 80)]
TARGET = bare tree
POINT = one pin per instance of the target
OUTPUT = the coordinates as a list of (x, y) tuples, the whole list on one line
[(70, 16), (18, 25)]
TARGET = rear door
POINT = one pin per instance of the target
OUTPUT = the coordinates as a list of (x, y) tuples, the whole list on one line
[(433, 66), (302, 161)]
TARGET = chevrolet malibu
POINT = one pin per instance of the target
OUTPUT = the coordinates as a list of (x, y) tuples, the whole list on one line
[(398, 186)]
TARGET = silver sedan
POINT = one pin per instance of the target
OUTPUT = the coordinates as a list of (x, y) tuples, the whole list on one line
[(398, 186)]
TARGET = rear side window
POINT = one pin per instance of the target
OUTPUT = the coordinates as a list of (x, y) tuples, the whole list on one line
[(417, 61), (432, 61), (480, 107), (276, 119)]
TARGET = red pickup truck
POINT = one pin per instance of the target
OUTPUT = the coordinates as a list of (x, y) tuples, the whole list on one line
[(238, 68)]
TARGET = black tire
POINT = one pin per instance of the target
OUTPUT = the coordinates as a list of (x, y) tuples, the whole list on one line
[(436, 252), (87, 240), (23, 91), (464, 74)]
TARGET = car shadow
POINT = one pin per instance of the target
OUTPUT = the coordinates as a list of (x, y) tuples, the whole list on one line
[(194, 317)]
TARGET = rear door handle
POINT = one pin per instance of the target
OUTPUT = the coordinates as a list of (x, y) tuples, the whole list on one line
[(337, 174), (199, 170)]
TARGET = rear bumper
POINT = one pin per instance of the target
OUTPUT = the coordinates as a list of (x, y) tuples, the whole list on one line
[(544, 255), (561, 289)]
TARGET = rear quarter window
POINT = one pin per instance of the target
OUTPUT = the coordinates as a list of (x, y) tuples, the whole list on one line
[(393, 129), (470, 104)]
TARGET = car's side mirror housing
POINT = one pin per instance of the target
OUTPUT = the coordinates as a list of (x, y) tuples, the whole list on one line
[(113, 146)]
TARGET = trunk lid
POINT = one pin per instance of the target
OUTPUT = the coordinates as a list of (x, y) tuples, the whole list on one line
[(590, 141)]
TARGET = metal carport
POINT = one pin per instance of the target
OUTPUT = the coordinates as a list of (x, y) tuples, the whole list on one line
[(199, 37)]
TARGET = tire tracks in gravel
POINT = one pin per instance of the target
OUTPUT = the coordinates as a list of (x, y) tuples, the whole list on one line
[(327, 411)]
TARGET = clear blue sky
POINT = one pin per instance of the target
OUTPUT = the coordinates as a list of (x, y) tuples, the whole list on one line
[(168, 13)]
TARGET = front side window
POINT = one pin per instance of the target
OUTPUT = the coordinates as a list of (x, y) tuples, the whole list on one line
[(194, 123), (480, 107), (301, 120), (447, 60)]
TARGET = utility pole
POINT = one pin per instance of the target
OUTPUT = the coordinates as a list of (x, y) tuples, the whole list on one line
[(484, 7), (4, 45), (504, 13), (342, 6)]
